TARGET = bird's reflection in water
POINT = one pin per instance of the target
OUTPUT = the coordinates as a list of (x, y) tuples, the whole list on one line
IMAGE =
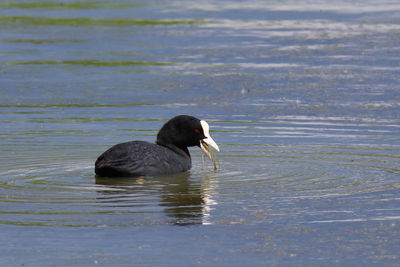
[(184, 198)]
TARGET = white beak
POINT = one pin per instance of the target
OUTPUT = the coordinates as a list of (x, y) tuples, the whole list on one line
[(208, 140)]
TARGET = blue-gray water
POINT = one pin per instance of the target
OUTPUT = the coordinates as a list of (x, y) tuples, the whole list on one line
[(303, 98)]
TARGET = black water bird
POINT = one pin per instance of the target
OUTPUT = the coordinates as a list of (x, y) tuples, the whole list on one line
[(168, 155)]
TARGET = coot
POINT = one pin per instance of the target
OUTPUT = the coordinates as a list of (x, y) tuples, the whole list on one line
[(169, 155)]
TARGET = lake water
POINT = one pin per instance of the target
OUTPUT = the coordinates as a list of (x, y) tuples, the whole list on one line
[(303, 98)]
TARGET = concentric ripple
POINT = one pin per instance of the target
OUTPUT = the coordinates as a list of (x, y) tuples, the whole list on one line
[(260, 170)]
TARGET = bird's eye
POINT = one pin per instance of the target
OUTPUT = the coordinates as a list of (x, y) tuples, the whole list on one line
[(196, 130)]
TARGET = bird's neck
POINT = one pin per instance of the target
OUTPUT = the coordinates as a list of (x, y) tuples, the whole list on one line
[(184, 151)]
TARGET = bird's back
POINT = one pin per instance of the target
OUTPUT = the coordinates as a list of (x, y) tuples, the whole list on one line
[(140, 158)]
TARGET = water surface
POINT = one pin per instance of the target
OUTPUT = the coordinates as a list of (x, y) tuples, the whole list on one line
[(302, 97)]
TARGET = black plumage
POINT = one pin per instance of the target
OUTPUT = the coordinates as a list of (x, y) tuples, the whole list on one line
[(169, 155)]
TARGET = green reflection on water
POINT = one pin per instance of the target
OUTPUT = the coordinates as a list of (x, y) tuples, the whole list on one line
[(74, 105), (78, 119), (93, 62), (72, 5), (42, 41), (94, 22)]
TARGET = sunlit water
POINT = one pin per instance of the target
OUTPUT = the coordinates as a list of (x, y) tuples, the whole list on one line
[(303, 99)]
